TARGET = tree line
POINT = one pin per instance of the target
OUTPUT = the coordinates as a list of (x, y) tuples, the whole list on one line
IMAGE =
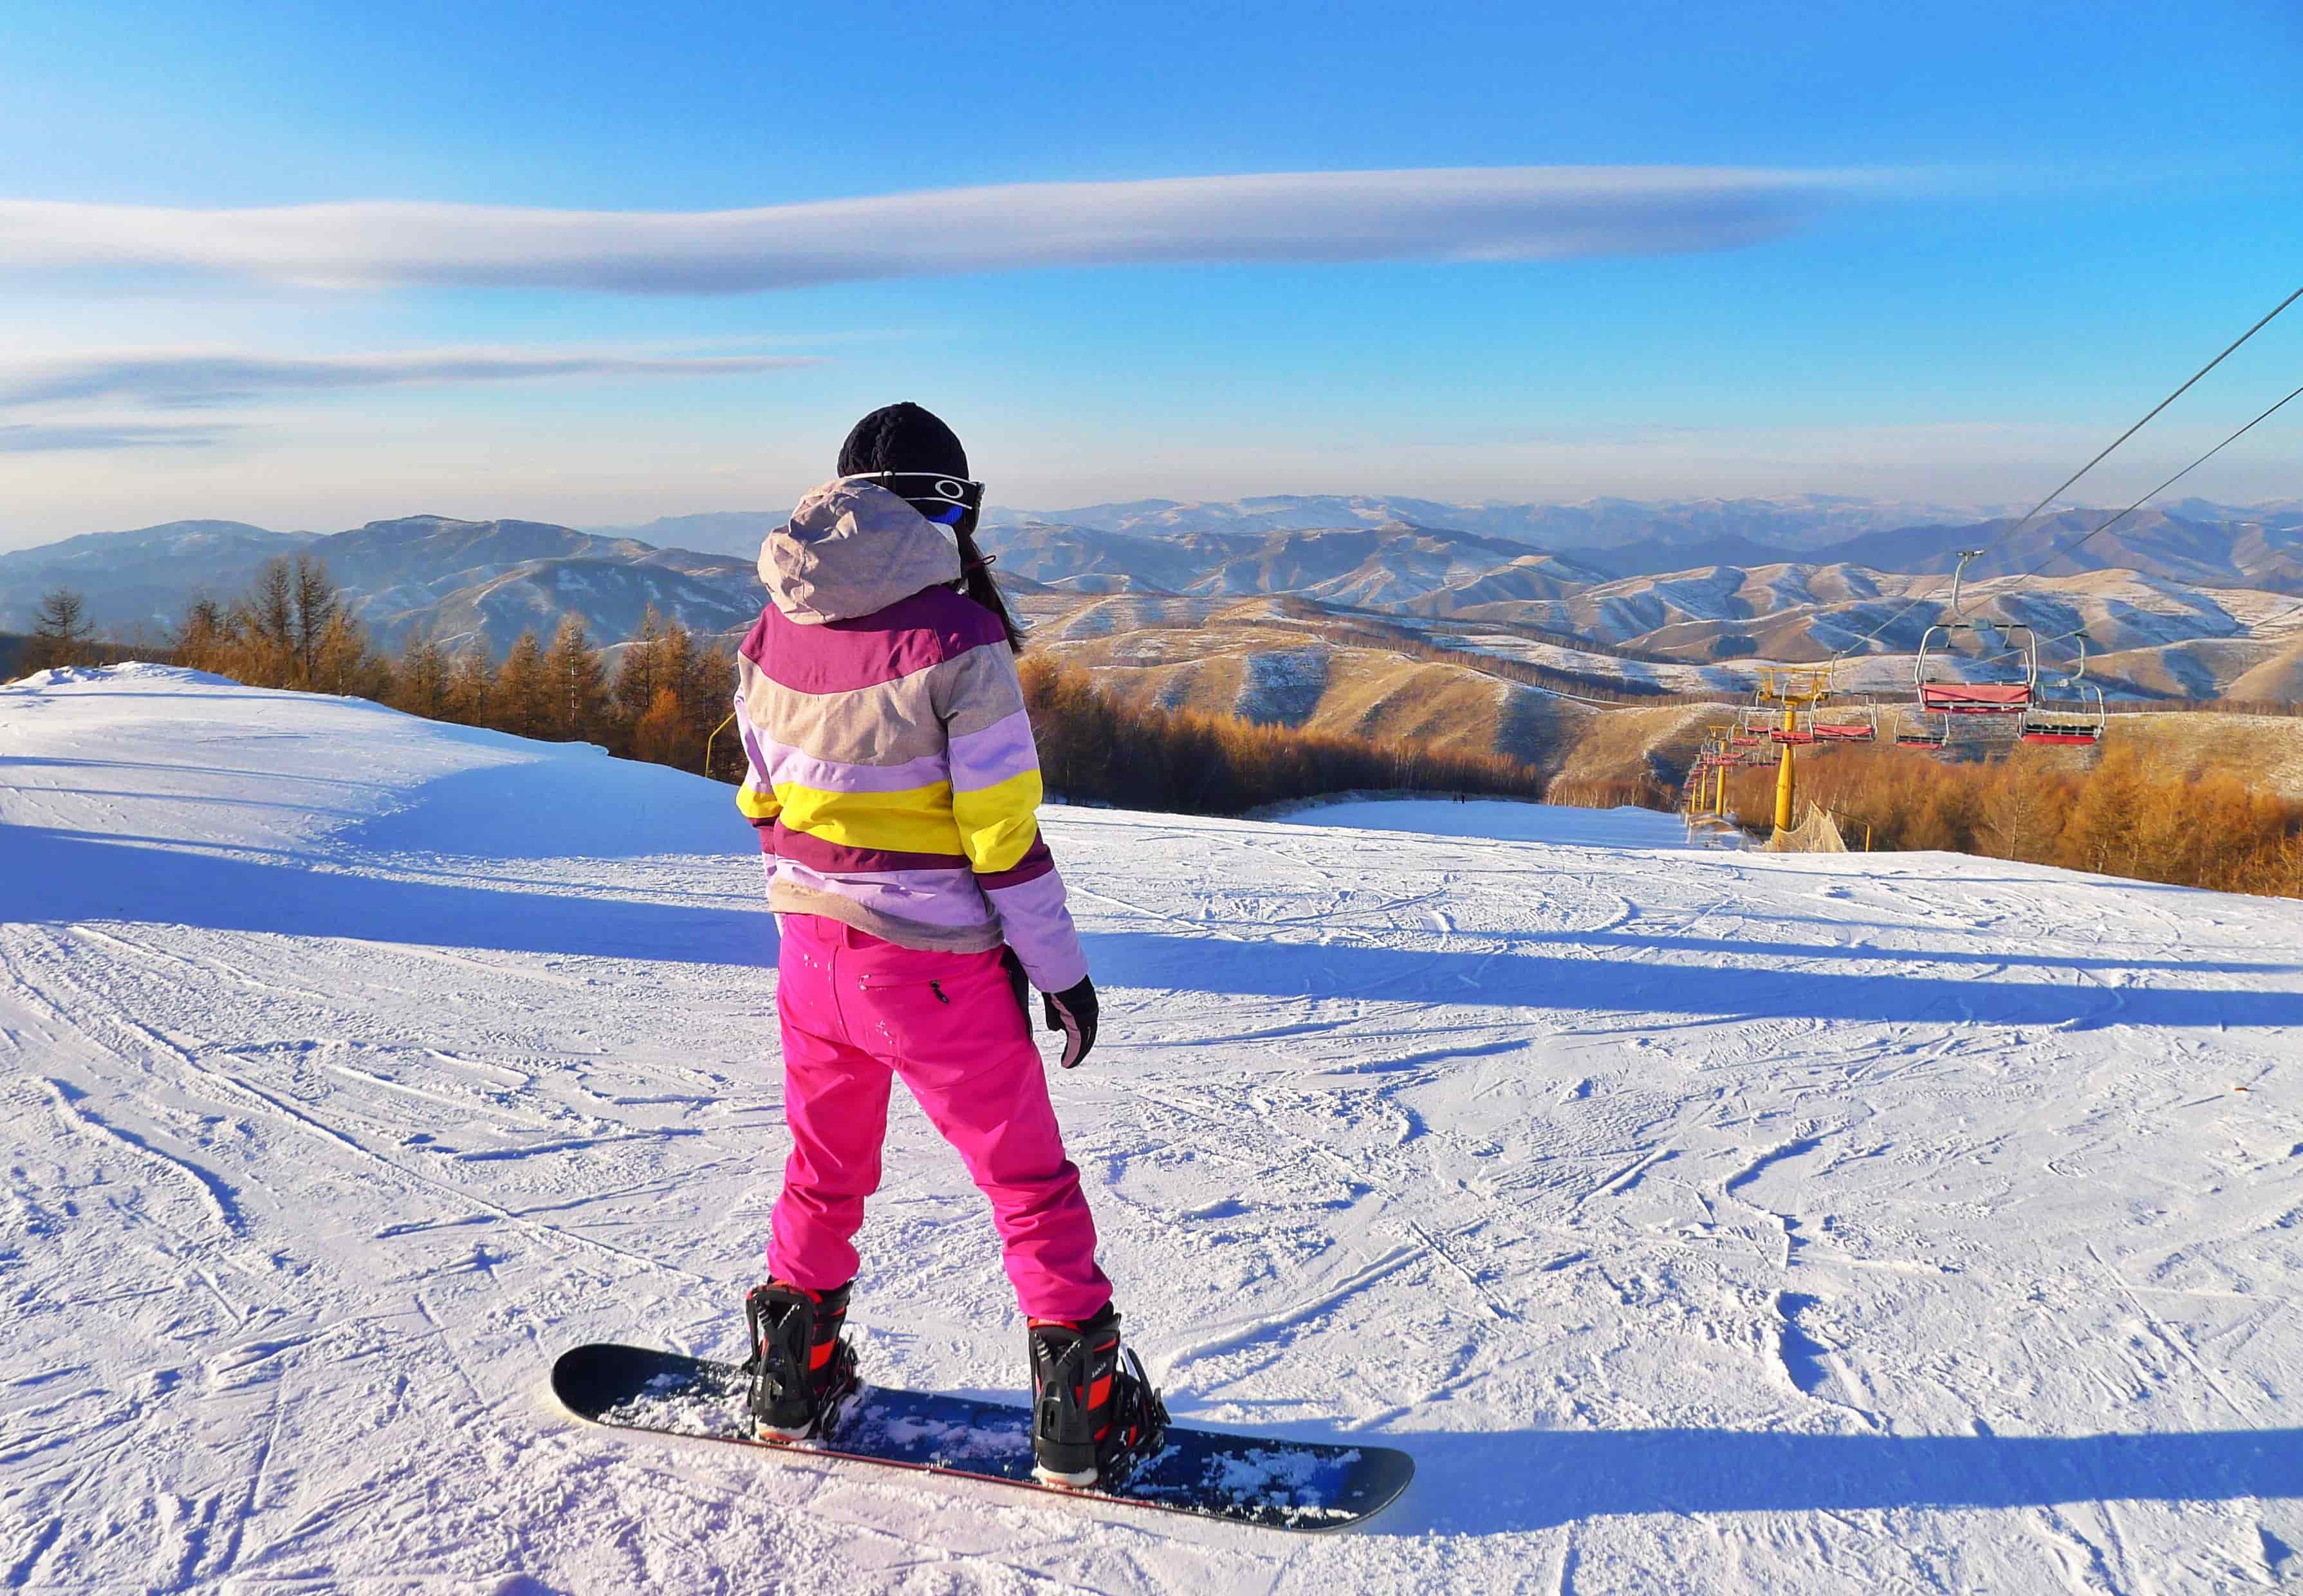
[(667, 690), (293, 628), (2123, 817), (1096, 748)]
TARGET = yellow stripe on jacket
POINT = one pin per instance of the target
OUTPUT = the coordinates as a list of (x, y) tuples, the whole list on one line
[(991, 827), (914, 820), (998, 822), (755, 804)]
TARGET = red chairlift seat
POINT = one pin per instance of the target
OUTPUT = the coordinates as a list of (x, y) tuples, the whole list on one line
[(1975, 698), (1947, 699), (1855, 732)]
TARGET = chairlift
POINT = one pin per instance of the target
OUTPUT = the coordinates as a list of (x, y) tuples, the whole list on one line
[(1856, 723), (2070, 728), (1912, 731), (1945, 698)]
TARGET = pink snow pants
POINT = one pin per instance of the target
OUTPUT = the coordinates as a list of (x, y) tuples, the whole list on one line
[(854, 1011)]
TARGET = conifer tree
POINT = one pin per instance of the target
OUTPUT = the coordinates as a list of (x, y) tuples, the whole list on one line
[(641, 674), (264, 628), (61, 632), (204, 642), (471, 688), (657, 735), (523, 690), (711, 693), (341, 661), (580, 681), (319, 607), (420, 685)]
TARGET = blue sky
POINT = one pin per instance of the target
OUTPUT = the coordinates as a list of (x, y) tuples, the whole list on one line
[(1940, 256)]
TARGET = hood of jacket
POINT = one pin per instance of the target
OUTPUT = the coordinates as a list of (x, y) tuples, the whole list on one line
[(850, 548)]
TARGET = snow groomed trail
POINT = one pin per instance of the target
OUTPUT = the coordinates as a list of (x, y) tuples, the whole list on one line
[(1699, 1221)]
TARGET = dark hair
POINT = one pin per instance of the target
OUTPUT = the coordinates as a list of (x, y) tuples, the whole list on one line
[(909, 437), (975, 581)]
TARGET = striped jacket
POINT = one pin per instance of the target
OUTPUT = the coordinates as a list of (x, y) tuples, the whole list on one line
[(892, 777)]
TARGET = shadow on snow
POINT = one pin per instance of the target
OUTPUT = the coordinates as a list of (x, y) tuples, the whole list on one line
[(1633, 983), (59, 876), (1484, 1483), (62, 877)]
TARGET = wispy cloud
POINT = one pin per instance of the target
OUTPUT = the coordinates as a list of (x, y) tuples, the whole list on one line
[(1511, 213), (186, 379), (43, 437)]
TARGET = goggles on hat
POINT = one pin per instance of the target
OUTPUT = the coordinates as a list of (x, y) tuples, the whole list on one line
[(928, 487)]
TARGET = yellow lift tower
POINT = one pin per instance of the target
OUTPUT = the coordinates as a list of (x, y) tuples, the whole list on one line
[(1793, 689), (1723, 759)]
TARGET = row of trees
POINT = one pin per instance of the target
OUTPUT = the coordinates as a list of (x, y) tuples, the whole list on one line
[(667, 692), (1095, 746), (659, 702), (2123, 817)]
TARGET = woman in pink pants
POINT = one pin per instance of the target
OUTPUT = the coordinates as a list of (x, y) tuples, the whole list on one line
[(896, 785)]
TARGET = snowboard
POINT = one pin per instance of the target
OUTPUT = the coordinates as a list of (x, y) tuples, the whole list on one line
[(1241, 1479)]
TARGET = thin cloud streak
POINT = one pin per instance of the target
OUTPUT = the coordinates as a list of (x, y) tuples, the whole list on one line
[(1461, 214), (45, 437), (187, 378)]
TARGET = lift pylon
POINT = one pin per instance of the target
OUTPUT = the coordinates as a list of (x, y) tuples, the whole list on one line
[(1795, 690)]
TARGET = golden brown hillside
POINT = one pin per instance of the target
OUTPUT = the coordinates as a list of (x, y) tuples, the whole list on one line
[(1271, 671), (1279, 659), (2264, 751)]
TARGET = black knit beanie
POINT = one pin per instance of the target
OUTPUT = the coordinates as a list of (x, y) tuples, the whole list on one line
[(902, 438)]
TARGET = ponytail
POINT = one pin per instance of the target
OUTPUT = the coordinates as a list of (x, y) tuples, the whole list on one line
[(975, 581)]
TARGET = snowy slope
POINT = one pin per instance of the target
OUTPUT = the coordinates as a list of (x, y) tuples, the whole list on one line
[(1699, 1221)]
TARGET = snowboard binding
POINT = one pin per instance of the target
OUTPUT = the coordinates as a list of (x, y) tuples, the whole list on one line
[(802, 1370), (1095, 1414)]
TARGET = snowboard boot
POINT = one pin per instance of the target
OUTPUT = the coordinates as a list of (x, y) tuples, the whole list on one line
[(1095, 1414), (801, 1368)]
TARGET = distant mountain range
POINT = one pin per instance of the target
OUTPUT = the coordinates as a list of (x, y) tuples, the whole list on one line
[(2179, 599), (484, 581), (2194, 540)]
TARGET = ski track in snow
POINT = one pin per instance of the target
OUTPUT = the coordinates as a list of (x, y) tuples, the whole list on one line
[(1699, 1221)]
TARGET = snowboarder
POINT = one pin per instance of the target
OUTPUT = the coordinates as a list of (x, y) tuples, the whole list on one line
[(894, 781)]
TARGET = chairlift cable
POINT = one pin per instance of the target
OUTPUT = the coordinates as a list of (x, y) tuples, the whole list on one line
[(2055, 555), (2033, 513)]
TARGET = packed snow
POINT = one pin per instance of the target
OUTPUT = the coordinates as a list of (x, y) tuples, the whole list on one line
[(1714, 1222)]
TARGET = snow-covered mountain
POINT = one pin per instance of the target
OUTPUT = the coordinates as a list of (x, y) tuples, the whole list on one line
[(1746, 1223), (491, 580), (2231, 551), (1383, 565), (143, 577), (1794, 522), (2173, 579), (466, 582)]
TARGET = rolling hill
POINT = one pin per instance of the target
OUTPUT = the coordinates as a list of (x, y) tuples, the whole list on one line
[(2196, 608)]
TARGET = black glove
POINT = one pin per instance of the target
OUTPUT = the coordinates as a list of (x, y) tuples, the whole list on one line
[(1072, 1011)]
